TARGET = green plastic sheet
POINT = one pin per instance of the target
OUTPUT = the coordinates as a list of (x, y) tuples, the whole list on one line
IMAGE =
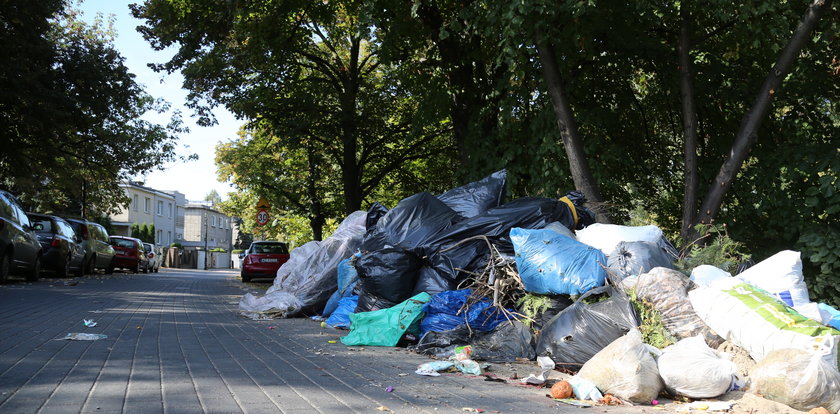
[(385, 327)]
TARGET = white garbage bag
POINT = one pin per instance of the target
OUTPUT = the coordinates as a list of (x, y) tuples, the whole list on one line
[(799, 379), (692, 369), (705, 275), (606, 237), (781, 276), (625, 368), (757, 322)]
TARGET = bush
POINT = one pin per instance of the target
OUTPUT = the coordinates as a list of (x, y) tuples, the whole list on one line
[(176, 244)]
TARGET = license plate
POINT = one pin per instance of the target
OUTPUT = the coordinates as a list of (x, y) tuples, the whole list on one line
[(268, 261)]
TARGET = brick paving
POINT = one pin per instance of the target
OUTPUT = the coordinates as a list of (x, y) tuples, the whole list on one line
[(177, 345)]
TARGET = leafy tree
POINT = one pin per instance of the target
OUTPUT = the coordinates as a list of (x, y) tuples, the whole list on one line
[(213, 197), (307, 71), (72, 124), (135, 231)]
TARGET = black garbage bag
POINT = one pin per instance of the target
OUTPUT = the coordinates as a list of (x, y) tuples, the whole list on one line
[(506, 343), (577, 333), (410, 225), (454, 253), (477, 197), (558, 304), (433, 282), (386, 277), (634, 258), (374, 213)]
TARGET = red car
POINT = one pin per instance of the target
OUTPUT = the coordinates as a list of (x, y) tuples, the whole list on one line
[(130, 254), (262, 259)]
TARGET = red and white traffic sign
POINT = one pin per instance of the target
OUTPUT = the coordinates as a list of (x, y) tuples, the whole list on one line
[(262, 217)]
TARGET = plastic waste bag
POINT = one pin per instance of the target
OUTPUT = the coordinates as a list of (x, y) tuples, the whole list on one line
[(799, 379), (443, 312), (385, 327), (551, 264), (340, 318), (584, 389), (606, 237), (347, 278), (386, 277), (626, 369), (667, 290), (411, 224), (432, 369), (781, 276), (310, 275), (705, 275), (634, 258), (477, 197), (580, 331), (757, 322), (507, 343), (692, 369)]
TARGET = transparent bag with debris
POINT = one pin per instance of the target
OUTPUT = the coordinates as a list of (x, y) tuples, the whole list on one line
[(626, 369), (692, 369), (667, 290), (800, 379)]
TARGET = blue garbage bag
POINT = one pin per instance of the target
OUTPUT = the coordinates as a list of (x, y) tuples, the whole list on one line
[(441, 313), (340, 318), (551, 264), (347, 278)]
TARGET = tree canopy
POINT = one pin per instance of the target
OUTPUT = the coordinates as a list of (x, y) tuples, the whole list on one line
[(70, 112)]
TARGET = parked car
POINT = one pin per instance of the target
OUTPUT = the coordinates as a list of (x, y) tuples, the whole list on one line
[(20, 251), (262, 259), (62, 250), (130, 254), (154, 256), (99, 254)]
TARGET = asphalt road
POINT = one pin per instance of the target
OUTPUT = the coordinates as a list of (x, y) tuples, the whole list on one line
[(175, 344)]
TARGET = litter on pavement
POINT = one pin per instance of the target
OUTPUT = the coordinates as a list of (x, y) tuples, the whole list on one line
[(469, 278)]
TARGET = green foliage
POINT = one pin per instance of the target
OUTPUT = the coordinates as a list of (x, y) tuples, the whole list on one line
[(176, 245), (721, 251), (135, 231), (532, 305), (218, 250), (73, 116), (652, 329)]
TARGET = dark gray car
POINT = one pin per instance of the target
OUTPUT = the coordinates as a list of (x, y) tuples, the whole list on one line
[(20, 251), (99, 254), (62, 250)]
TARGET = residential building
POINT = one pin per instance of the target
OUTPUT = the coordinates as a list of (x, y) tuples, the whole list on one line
[(204, 226), (151, 207)]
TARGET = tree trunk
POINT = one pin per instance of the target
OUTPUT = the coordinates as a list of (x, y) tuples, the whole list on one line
[(689, 115), (351, 172), (316, 216), (578, 164), (748, 132)]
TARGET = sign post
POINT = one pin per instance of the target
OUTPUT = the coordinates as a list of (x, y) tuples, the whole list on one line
[(262, 217)]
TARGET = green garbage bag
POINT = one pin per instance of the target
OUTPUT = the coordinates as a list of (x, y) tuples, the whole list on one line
[(385, 327)]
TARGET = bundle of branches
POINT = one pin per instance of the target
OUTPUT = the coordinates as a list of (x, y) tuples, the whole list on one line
[(498, 280)]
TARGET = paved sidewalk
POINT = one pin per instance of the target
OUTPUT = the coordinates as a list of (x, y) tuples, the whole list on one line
[(176, 345)]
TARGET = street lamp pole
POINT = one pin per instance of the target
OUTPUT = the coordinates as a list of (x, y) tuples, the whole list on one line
[(205, 241)]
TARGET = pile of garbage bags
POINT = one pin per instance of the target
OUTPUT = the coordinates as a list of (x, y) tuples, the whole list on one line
[(451, 271)]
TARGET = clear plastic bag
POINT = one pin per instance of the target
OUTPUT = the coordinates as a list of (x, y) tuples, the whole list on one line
[(797, 378), (692, 369)]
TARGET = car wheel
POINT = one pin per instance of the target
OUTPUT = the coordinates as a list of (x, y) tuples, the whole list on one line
[(245, 278), (110, 269), (4, 267), (64, 269), (80, 271), (136, 267), (35, 272)]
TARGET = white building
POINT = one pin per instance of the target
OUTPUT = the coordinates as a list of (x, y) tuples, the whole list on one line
[(204, 226), (151, 207)]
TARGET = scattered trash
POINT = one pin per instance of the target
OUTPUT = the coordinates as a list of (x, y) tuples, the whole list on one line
[(269, 327), (432, 369), (472, 410), (382, 408), (546, 365), (84, 337), (332, 342), (654, 402), (389, 389), (705, 406), (561, 390), (584, 389), (89, 323), (70, 283), (576, 403)]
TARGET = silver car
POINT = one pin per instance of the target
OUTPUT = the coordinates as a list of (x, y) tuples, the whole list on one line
[(153, 252)]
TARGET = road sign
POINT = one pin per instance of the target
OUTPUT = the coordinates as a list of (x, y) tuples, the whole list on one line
[(263, 204), (262, 217)]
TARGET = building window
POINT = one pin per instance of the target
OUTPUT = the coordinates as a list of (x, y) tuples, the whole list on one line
[(160, 237), (170, 210), (160, 208), (147, 207), (168, 237), (213, 221), (179, 236), (134, 203)]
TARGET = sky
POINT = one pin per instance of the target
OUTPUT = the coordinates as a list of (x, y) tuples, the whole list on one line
[(195, 179)]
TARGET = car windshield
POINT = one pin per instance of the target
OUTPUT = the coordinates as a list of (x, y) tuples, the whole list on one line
[(269, 248), (128, 244), (42, 225)]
